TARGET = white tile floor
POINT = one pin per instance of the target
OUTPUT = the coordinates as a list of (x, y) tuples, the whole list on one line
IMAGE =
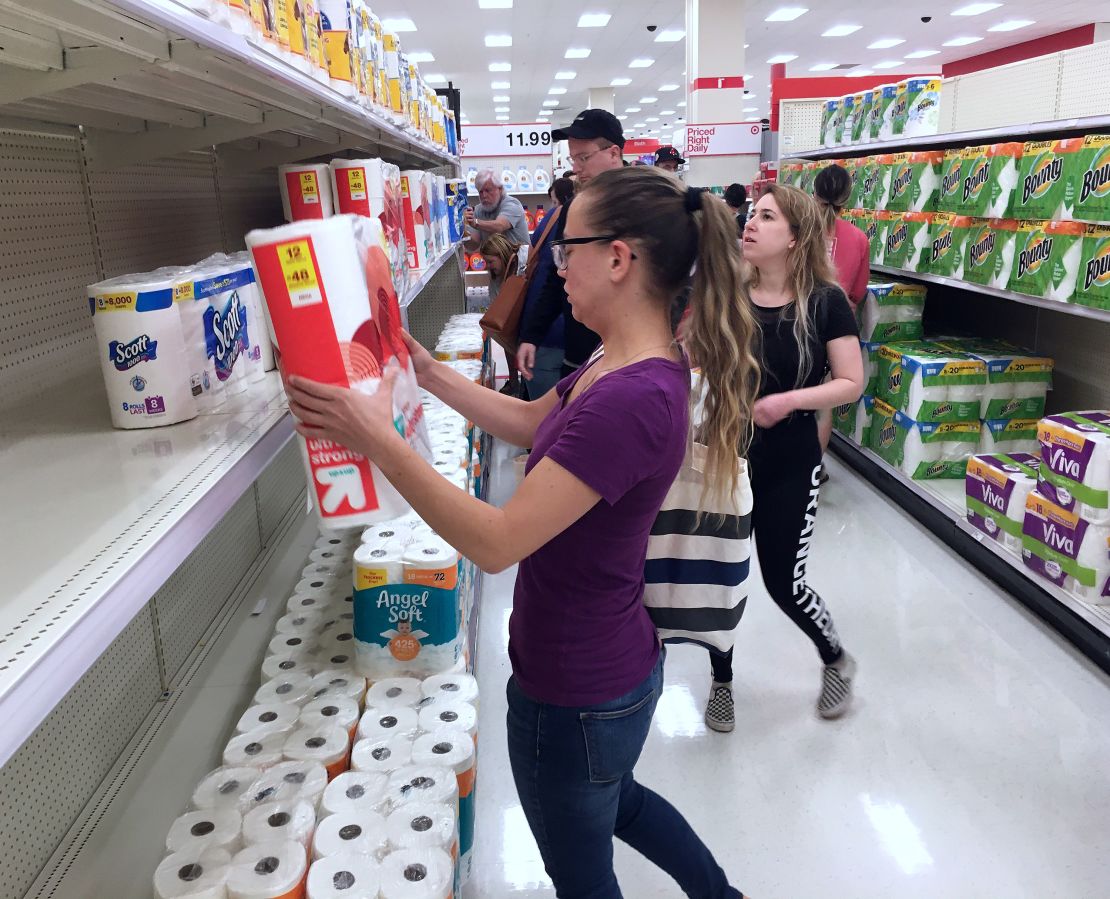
[(975, 765)]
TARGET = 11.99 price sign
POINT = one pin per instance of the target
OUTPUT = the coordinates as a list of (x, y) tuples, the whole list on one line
[(506, 140)]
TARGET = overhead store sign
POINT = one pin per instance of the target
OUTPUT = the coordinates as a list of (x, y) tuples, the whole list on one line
[(724, 139), (531, 139)]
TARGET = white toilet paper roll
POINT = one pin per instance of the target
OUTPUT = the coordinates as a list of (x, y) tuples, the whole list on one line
[(334, 682), (339, 638), (283, 714), (382, 755), (449, 713), (287, 663), (341, 710), (395, 531), (423, 825), (275, 870), (260, 748), (394, 692), (333, 571), (344, 876), (451, 687), (199, 830), (282, 820), (328, 744), (291, 644), (381, 724), (288, 782), (195, 874), (422, 783), (317, 585), (302, 623), (224, 788), (381, 556), (417, 874), (332, 659), (295, 689), (447, 747), (331, 556), (348, 540), (307, 601), (358, 831), (353, 791)]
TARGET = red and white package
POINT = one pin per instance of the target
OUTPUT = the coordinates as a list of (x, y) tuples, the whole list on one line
[(305, 192)]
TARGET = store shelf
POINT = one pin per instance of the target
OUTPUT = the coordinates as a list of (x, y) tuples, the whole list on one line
[(418, 280), (939, 505), (148, 79), (1022, 131), (1102, 315)]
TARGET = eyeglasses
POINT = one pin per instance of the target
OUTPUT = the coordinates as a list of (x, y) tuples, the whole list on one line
[(559, 247), (580, 158)]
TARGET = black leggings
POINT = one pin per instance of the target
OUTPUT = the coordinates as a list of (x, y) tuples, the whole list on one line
[(784, 496)]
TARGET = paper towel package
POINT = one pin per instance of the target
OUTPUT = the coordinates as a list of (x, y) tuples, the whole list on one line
[(1009, 436), (947, 245), (1047, 259), (997, 486), (865, 100), (978, 251), (884, 175), (305, 192), (1066, 549), (853, 420), (917, 107), (923, 450), (930, 383), (869, 350), (882, 112), (849, 117), (876, 227), (990, 180), (1092, 180), (1046, 179), (143, 355), (193, 874), (950, 187), (832, 122), (344, 876), (1018, 380), (919, 231), (1093, 285), (274, 870), (416, 211), (335, 317), (1075, 447), (892, 310), (856, 169), (914, 181)]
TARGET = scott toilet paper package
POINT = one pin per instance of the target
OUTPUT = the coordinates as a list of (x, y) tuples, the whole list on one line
[(930, 383), (997, 488), (1075, 447), (1066, 549), (335, 317), (1047, 259), (892, 310), (305, 192), (947, 244), (914, 181), (1046, 182), (1092, 179), (1093, 285), (923, 450)]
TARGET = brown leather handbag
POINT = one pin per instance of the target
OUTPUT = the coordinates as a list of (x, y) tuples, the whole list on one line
[(502, 320)]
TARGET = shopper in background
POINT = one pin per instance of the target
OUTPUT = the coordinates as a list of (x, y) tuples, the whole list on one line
[(668, 159), (503, 257), (497, 213), (596, 140), (849, 250), (736, 196), (807, 328), (548, 366), (606, 446)]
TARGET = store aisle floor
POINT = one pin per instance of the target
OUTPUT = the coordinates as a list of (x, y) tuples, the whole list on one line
[(975, 764)]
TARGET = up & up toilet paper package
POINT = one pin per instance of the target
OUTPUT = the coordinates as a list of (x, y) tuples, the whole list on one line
[(335, 317), (372, 188), (416, 209), (1092, 179), (305, 192), (1093, 285), (1046, 179), (892, 310), (923, 450), (930, 383), (1066, 549), (1047, 259), (947, 244), (1075, 447), (914, 181), (997, 487)]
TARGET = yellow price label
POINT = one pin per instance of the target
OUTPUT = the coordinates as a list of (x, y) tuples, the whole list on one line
[(310, 190), (356, 180), (183, 293), (116, 302), (299, 270)]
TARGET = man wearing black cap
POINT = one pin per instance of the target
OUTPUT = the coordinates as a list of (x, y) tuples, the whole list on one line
[(596, 142), (668, 159)]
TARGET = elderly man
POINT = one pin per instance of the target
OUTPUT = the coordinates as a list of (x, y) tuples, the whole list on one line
[(497, 213)]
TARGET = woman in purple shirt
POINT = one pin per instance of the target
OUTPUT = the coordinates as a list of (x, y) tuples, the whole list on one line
[(606, 445)]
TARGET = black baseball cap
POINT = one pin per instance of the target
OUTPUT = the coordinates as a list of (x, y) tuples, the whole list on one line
[(591, 124), (668, 154)]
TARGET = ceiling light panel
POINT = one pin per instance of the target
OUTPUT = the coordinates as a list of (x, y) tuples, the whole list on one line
[(961, 41), (633, 109), (666, 112), (641, 62), (557, 91), (551, 103), (501, 98), (786, 14), (649, 99), (499, 40), (495, 4), (669, 35), (667, 88), (885, 43), (620, 82), (499, 85), (922, 54), (782, 58), (888, 64), (593, 20), (822, 67), (565, 76), (502, 118), (501, 109), (577, 53), (841, 30), (975, 9), (1012, 25), (500, 67)]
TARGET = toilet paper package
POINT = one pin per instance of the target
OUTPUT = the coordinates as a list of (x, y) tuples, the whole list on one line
[(381, 724), (424, 825), (282, 643), (273, 870), (1009, 436), (287, 663), (293, 820), (892, 310), (205, 829), (384, 754), (305, 192), (417, 874), (997, 487), (328, 744), (288, 782), (1066, 549), (395, 693), (194, 874), (914, 181), (882, 112), (947, 244), (917, 107), (930, 383), (372, 188), (338, 28), (144, 358), (358, 831), (923, 450), (1046, 179), (853, 420), (1093, 285), (347, 875), (456, 208), (455, 686), (339, 684), (207, 389), (1075, 447), (449, 713), (224, 788), (1047, 259), (281, 713), (235, 339), (422, 783), (454, 748), (295, 689), (990, 180), (341, 710), (1092, 179), (416, 211), (259, 748), (353, 791), (335, 317)]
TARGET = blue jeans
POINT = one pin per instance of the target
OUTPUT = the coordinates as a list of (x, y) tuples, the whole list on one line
[(573, 773), (546, 371)]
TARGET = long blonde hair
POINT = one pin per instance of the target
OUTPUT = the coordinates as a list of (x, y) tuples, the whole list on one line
[(808, 266), (680, 233), (501, 247)]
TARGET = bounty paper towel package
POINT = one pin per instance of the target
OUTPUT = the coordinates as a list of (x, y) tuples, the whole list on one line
[(870, 181), (990, 180), (892, 310), (917, 110), (1009, 436), (1075, 447), (930, 383), (979, 256), (335, 318), (950, 188), (882, 112), (416, 209), (914, 181), (832, 122), (1046, 179), (923, 450), (870, 353), (877, 231), (866, 100), (997, 487), (947, 244), (1047, 259), (305, 192), (1066, 549), (1018, 381), (884, 175), (908, 241), (1092, 179), (856, 169), (897, 245), (1093, 285), (143, 354), (853, 420), (848, 119)]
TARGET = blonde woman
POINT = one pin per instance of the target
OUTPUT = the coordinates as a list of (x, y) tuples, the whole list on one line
[(807, 330), (607, 443), (503, 257)]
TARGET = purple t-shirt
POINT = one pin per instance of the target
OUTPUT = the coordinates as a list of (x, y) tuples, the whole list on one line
[(579, 633)]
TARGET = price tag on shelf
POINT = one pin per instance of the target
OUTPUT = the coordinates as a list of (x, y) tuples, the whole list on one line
[(506, 140)]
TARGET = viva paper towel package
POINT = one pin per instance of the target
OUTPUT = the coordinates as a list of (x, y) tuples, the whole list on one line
[(1092, 180), (882, 112), (1047, 259), (1075, 447), (1046, 179), (305, 192), (914, 181), (416, 209), (1009, 436), (853, 420), (1066, 549), (335, 318), (990, 180), (892, 310), (997, 487), (924, 451), (948, 241), (931, 383), (1093, 285)]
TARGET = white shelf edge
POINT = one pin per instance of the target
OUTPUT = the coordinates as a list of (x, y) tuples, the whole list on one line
[(1088, 312), (959, 518), (952, 138), (424, 276)]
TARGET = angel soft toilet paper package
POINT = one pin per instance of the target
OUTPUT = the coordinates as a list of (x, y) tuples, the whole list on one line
[(997, 487), (892, 310), (914, 181), (947, 244), (923, 450), (1066, 548), (1046, 179), (1047, 259), (1093, 285), (1075, 447), (1092, 179), (931, 383)]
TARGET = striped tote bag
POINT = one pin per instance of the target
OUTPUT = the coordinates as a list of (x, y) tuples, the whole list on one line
[(697, 571)]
